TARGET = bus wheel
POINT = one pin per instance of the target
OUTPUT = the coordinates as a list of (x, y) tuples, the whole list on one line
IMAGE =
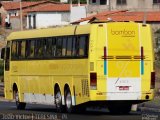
[(68, 101), (58, 100), (19, 105)]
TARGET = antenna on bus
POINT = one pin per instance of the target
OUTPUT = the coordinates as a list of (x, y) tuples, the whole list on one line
[(144, 18)]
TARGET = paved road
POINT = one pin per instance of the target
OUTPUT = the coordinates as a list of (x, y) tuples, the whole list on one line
[(42, 112)]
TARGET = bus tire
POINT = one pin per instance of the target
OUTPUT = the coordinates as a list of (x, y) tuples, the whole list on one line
[(68, 101), (19, 105), (58, 100)]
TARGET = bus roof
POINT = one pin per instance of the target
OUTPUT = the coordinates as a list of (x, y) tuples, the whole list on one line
[(49, 32)]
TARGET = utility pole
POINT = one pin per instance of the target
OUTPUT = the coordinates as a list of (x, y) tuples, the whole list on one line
[(109, 3), (70, 3), (78, 2), (21, 17), (87, 2)]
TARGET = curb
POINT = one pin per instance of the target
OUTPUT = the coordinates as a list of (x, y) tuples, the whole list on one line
[(1, 89), (149, 109)]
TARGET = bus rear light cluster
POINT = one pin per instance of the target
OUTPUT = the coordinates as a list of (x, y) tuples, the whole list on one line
[(153, 80), (93, 81)]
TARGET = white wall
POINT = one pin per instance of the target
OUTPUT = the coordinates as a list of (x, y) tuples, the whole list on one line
[(64, 1), (47, 19), (78, 12)]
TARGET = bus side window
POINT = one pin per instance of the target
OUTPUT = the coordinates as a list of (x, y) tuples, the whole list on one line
[(74, 46), (86, 45), (54, 48), (64, 46), (19, 48), (48, 49), (77, 45), (23, 48), (69, 46), (59, 47), (30, 48), (27, 48), (82, 47), (39, 48), (2, 53), (14, 50)]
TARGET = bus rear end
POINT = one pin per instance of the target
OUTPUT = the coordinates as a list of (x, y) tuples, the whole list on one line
[(121, 64)]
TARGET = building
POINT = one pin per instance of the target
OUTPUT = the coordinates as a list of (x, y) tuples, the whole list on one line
[(12, 12), (48, 15), (40, 14), (95, 6)]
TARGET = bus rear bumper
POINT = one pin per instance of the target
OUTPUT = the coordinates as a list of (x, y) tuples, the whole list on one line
[(123, 96)]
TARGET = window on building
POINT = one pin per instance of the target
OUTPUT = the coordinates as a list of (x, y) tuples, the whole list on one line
[(93, 1), (29, 21), (156, 1), (103, 2), (34, 21), (121, 2)]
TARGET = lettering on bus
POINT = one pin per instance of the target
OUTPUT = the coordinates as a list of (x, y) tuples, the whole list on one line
[(124, 33)]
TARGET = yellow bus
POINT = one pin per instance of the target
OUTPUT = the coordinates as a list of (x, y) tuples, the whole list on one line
[(105, 64)]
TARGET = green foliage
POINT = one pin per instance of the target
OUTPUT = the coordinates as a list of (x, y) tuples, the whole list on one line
[(76, 1)]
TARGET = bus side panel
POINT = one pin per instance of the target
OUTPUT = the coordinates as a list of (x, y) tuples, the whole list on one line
[(8, 93), (147, 43), (92, 57), (101, 72)]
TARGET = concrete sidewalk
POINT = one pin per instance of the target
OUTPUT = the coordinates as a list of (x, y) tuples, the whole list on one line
[(150, 106)]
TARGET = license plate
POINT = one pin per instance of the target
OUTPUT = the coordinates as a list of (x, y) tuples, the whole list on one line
[(123, 88)]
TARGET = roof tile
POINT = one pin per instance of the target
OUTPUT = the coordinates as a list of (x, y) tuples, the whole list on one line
[(125, 16)]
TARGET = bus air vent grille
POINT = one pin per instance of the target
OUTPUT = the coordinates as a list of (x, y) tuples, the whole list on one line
[(85, 88)]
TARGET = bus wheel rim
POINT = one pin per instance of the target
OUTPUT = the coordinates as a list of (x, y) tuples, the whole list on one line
[(68, 101), (16, 97), (58, 99)]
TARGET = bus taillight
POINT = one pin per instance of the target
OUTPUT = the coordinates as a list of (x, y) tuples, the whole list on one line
[(152, 80), (93, 81)]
